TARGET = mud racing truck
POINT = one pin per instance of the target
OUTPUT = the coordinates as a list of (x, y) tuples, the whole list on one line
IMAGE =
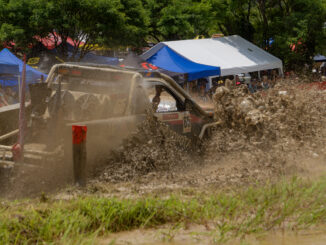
[(110, 102)]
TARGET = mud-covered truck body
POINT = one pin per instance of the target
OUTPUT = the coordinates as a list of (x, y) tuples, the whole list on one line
[(111, 102)]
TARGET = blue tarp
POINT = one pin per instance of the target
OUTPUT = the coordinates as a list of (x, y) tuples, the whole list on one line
[(7, 66), (99, 59), (319, 58), (170, 60), (32, 75), (92, 58)]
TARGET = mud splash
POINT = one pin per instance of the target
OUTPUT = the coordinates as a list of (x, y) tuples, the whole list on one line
[(260, 137), (270, 133), (153, 148)]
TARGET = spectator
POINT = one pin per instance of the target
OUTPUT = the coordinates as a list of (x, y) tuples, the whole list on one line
[(3, 101), (265, 84), (250, 86), (274, 76), (237, 80), (220, 82), (157, 98), (10, 96), (203, 83), (259, 85), (254, 85), (191, 88)]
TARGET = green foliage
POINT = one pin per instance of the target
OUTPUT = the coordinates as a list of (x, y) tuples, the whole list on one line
[(174, 20), (95, 22), (294, 204), (295, 22), (134, 22), (14, 16)]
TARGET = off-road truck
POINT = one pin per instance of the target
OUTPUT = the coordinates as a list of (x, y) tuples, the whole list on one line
[(110, 101)]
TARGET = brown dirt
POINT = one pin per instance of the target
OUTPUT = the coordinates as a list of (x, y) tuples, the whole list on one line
[(206, 234)]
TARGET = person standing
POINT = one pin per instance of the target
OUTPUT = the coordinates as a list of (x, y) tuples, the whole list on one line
[(157, 98), (10, 97), (265, 84), (3, 101)]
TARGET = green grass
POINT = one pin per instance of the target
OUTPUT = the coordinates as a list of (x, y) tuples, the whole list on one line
[(293, 204)]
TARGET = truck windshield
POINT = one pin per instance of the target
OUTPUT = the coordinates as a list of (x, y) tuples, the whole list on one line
[(163, 98), (91, 98)]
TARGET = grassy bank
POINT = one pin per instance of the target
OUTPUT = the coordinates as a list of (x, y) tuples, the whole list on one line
[(293, 204)]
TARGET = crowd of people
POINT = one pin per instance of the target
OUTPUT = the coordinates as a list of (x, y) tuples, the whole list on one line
[(256, 82), (7, 96)]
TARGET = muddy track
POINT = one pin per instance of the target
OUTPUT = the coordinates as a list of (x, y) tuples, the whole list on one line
[(260, 137)]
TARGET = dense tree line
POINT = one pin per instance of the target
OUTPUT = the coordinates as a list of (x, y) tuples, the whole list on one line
[(291, 29)]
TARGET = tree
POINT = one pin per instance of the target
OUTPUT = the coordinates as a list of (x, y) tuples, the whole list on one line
[(295, 23), (135, 29), (15, 16), (154, 9), (88, 23), (233, 17), (174, 20), (274, 25)]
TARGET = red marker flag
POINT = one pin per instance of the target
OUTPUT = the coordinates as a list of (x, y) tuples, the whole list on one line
[(78, 134)]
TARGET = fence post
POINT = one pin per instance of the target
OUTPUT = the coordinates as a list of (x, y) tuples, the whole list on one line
[(79, 154)]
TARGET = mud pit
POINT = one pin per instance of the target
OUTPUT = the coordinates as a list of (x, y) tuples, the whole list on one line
[(259, 137)]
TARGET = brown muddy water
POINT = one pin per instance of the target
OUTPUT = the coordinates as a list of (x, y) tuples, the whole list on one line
[(199, 235)]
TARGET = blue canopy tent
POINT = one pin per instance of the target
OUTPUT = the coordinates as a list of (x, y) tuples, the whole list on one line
[(168, 59), (12, 78), (99, 59), (319, 58), (8, 67), (92, 58), (134, 61)]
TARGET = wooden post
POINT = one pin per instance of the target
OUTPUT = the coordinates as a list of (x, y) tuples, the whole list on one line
[(79, 154)]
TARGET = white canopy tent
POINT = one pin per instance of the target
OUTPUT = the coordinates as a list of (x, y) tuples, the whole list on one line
[(233, 54)]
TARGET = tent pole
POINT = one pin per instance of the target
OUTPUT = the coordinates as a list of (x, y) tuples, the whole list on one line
[(280, 72), (22, 111), (19, 85), (259, 75), (210, 82)]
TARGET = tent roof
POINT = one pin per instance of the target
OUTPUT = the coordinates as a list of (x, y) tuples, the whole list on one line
[(233, 54), (135, 61), (166, 58), (320, 58), (31, 73), (99, 59), (7, 64)]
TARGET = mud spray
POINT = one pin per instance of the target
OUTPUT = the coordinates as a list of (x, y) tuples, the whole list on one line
[(259, 137)]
